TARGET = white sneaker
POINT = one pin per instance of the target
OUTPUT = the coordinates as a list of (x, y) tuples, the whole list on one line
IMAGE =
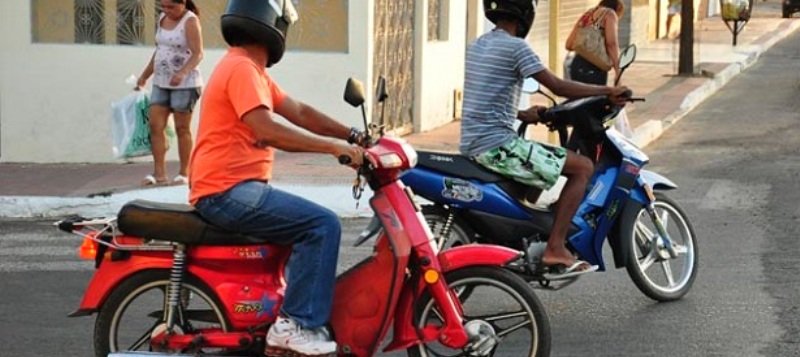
[(285, 334)]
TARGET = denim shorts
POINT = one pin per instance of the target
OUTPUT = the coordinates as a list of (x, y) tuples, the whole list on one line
[(179, 100)]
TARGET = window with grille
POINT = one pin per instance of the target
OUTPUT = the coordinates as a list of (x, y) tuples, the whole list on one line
[(323, 24)]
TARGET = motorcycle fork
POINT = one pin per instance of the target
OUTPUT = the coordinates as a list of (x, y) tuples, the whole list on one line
[(661, 231)]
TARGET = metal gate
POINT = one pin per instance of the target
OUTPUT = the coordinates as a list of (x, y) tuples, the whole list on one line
[(394, 60)]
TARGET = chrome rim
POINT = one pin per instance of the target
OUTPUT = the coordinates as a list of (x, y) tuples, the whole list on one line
[(662, 272), (511, 319)]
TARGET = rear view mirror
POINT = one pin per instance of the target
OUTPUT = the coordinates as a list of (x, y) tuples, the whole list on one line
[(530, 85), (380, 93), (627, 56), (354, 92)]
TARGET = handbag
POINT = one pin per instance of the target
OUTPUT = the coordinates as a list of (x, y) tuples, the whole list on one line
[(590, 43)]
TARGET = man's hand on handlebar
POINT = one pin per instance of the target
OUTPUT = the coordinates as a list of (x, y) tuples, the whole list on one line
[(353, 152), (619, 95), (531, 115)]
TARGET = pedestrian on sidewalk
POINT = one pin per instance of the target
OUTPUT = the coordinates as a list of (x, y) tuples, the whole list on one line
[(605, 16), (232, 164), (176, 85), (674, 8), (497, 64)]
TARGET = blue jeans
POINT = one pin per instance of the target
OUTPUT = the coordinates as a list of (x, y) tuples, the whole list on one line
[(257, 209)]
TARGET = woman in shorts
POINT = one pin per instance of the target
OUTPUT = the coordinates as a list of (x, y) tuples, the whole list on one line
[(176, 85)]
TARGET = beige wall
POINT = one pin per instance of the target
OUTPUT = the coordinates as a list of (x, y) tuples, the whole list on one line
[(440, 67), (55, 98)]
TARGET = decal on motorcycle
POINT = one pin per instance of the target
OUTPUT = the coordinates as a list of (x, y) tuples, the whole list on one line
[(441, 158), (248, 307), (250, 252), (598, 187), (461, 190), (612, 209), (392, 219), (265, 306)]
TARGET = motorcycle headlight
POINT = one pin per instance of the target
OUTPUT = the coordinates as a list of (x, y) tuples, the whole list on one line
[(390, 161)]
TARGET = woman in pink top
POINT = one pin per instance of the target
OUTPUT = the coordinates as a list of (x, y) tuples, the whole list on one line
[(176, 84)]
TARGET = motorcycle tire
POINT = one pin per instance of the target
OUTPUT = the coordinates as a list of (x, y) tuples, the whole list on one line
[(107, 334), (636, 230), (487, 311)]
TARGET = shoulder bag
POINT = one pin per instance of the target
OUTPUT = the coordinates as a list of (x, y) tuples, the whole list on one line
[(590, 43)]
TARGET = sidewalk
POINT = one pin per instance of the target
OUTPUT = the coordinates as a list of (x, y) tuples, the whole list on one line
[(54, 190)]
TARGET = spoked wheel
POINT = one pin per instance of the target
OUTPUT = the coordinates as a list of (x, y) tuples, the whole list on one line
[(134, 312), (503, 316), (650, 266), (457, 234)]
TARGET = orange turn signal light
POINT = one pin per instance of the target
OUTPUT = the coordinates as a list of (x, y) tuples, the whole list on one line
[(431, 276), (88, 249)]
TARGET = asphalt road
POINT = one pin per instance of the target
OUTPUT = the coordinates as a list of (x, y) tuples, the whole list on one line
[(735, 160)]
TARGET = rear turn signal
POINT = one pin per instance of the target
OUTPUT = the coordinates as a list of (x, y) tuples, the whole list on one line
[(88, 249)]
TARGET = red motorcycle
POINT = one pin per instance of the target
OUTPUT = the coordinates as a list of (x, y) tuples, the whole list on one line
[(167, 282)]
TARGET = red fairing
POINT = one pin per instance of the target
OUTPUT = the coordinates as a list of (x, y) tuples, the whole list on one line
[(248, 280), (391, 146)]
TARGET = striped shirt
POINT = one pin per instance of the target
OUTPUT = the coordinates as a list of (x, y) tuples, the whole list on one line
[(497, 64)]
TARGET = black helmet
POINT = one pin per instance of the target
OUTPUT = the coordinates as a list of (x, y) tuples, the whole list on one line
[(522, 10), (259, 21)]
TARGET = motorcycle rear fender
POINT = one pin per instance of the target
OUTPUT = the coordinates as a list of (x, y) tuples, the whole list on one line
[(112, 273), (405, 334)]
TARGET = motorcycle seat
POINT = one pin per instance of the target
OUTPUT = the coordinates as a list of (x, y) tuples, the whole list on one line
[(175, 223), (457, 165)]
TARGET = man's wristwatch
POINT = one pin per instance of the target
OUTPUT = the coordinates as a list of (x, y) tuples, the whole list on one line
[(354, 135)]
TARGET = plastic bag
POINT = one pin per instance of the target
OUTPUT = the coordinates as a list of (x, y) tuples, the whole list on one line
[(622, 124), (130, 129)]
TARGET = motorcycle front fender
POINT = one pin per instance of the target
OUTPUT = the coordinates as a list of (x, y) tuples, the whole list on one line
[(656, 182), (405, 333), (112, 273)]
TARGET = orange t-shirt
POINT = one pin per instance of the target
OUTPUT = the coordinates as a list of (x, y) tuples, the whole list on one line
[(225, 153)]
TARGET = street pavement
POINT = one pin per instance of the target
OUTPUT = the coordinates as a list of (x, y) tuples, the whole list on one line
[(55, 190)]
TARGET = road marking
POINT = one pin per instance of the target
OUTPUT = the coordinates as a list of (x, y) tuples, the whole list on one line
[(733, 195), (25, 266)]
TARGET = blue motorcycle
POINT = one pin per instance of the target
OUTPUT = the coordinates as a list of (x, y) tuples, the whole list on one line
[(649, 233)]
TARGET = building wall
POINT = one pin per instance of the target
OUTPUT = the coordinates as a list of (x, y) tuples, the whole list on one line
[(55, 97), (440, 66)]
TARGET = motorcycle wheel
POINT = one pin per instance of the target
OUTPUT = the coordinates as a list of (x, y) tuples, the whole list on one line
[(653, 272), (502, 309), (136, 308), (460, 233)]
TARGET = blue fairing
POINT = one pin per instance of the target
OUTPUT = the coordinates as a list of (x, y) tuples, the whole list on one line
[(461, 193)]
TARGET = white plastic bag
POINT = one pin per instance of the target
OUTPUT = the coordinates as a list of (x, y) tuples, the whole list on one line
[(622, 124), (130, 130)]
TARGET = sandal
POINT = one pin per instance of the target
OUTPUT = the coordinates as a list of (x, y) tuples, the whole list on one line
[(562, 271), (151, 180), (180, 180)]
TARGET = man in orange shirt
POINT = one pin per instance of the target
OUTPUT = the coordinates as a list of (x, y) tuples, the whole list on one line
[(232, 164)]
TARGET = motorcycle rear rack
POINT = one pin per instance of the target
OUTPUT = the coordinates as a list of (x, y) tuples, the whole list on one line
[(104, 231)]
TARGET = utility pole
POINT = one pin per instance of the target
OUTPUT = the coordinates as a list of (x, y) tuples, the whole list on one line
[(686, 49)]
